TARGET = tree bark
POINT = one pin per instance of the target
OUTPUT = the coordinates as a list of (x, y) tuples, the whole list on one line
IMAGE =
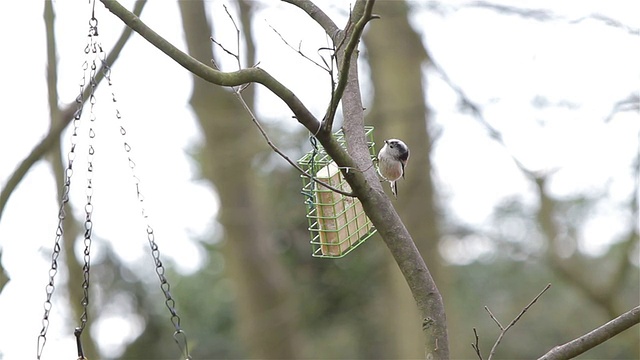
[(265, 305), (398, 110)]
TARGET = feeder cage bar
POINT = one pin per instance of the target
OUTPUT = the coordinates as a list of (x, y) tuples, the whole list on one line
[(337, 223)]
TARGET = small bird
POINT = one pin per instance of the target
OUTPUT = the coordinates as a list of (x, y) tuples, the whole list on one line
[(392, 159)]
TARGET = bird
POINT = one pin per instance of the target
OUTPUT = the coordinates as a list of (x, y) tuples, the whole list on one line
[(392, 159)]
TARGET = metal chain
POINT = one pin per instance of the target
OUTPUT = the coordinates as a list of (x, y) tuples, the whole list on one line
[(71, 155), (179, 335), (94, 48)]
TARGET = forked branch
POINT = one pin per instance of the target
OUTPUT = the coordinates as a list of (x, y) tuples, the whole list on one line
[(503, 328)]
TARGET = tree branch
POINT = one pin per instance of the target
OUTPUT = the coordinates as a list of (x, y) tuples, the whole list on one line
[(318, 16), (343, 71), (594, 338), (237, 90), (238, 94), (231, 79), (513, 322), (207, 73), (65, 115)]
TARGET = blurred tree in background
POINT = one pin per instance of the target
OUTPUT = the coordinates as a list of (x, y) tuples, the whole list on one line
[(261, 295)]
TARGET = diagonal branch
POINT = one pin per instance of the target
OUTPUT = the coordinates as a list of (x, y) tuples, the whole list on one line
[(236, 78), (238, 93), (66, 114), (318, 16), (281, 153), (207, 73), (595, 337)]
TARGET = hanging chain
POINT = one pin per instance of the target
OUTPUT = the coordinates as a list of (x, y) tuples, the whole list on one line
[(95, 49), (179, 335), (71, 155)]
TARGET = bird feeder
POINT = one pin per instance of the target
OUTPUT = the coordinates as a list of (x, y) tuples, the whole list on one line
[(337, 223)]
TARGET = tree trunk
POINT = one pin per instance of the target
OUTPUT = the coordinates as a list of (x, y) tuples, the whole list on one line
[(265, 306), (396, 57)]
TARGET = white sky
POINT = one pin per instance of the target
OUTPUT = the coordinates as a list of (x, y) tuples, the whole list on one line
[(501, 62)]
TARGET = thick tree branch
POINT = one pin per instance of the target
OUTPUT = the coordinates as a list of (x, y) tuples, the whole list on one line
[(236, 78), (363, 16), (594, 338), (207, 73), (65, 114), (318, 16)]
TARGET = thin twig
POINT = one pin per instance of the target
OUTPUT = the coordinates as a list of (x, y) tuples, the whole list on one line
[(528, 306), (223, 48), (475, 346), (513, 322), (299, 51), (237, 35), (282, 154), (494, 318)]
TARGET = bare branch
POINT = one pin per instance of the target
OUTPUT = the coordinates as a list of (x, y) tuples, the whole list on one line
[(282, 154), (513, 322), (299, 51), (475, 345), (343, 71), (595, 337), (493, 317), (66, 114), (209, 74), (631, 103), (237, 56), (318, 16)]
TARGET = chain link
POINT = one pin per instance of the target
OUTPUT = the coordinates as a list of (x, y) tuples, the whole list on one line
[(95, 48), (71, 155), (179, 335)]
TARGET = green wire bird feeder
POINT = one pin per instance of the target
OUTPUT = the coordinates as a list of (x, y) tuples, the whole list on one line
[(337, 223)]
